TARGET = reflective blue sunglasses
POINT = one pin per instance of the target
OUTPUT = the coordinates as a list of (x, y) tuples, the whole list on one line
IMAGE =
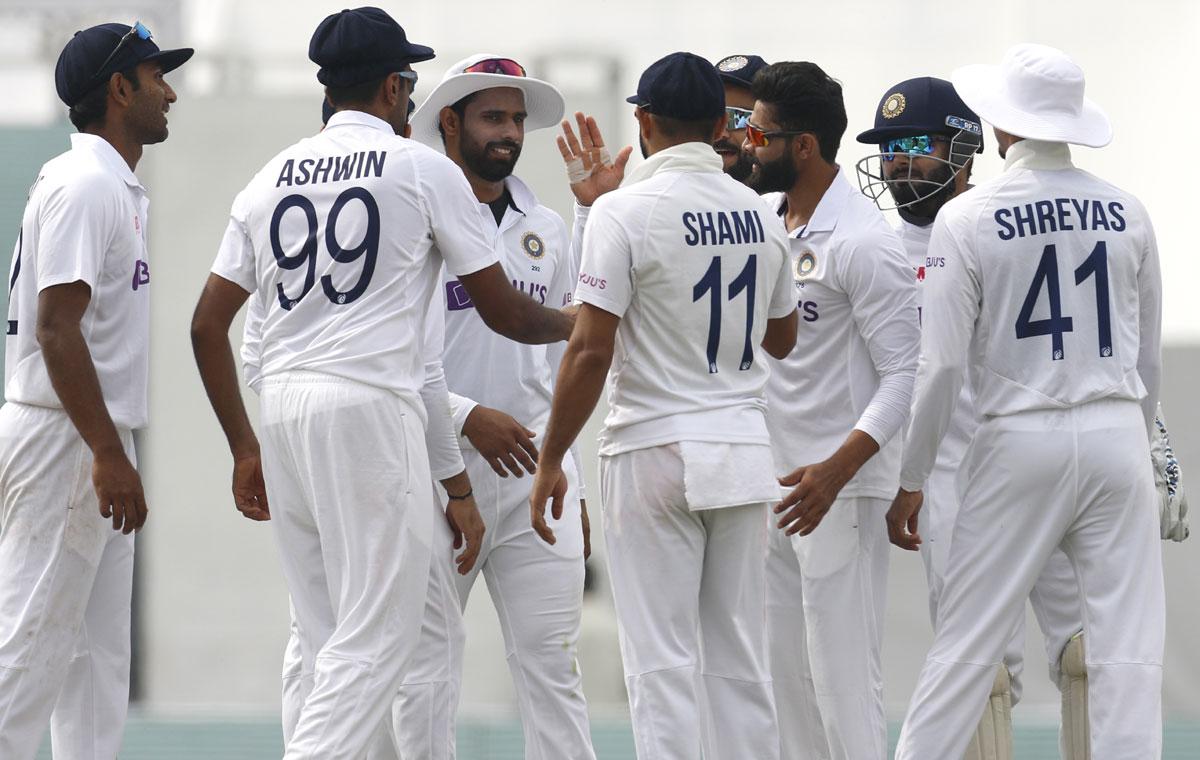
[(916, 145), (736, 118)]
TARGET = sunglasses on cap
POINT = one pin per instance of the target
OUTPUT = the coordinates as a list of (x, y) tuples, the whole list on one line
[(736, 118), (138, 30), (758, 137), (915, 145), (505, 66)]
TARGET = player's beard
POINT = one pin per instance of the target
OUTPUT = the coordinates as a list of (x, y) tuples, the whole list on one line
[(645, 148), (917, 195), (776, 176), (486, 166), (743, 163)]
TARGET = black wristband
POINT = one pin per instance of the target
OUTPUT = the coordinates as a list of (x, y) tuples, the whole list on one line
[(466, 495)]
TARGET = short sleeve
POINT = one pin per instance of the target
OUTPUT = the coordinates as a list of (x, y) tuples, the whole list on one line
[(76, 226), (606, 272), (783, 295), (456, 219), (235, 257)]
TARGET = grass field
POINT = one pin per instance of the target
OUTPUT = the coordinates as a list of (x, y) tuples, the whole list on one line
[(149, 738)]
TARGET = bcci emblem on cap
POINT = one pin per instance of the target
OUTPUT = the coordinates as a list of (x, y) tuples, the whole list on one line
[(893, 105), (804, 265), (532, 245)]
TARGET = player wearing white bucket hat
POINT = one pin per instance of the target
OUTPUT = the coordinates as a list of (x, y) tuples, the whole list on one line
[(1065, 373)]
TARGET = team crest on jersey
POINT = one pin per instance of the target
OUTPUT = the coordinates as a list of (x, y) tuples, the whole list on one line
[(733, 63), (804, 264), (894, 105), (532, 245)]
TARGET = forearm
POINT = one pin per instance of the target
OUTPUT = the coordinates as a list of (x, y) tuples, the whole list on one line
[(457, 485), (218, 371), (73, 376), (529, 322), (577, 389), (853, 454)]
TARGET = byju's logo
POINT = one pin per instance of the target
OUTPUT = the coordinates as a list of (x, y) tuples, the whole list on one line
[(141, 274)]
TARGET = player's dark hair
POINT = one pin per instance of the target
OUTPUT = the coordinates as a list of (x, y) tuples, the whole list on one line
[(355, 94), (93, 106), (459, 107), (685, 130), (804, 98)]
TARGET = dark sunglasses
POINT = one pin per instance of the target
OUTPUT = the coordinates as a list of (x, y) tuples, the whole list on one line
[(138, 30), (915, 145), (736, 118), (757, 136), (411, 76), (506, 66)]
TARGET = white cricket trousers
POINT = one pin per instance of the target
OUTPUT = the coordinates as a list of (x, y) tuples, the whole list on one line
[(690, 594), (1055, 595), (1078, 479), (66, 585), (351, 498), (826, 599)]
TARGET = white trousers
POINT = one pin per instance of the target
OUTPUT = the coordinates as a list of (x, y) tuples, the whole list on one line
[(66, 580), (352, 509), (1055, 595), (1076, 479), (826, 599), (690, 595)]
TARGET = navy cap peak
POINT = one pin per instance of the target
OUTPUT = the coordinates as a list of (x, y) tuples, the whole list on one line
[(681, 86), (94, 54)]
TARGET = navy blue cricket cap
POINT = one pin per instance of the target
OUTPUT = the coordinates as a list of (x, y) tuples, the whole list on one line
[(680, 86), (78, 69), (740, 69), (356, 46), (922, 106)]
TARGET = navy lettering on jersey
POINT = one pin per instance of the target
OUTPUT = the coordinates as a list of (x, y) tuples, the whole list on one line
[(722, 227), (809, 308), (535, 290), (1059, 215), (308, 171), (592, 281)]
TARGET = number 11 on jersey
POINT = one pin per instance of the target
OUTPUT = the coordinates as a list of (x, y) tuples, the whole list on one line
[(710, 283)]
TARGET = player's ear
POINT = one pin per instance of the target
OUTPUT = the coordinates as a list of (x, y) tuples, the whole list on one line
[(449, 120), (393, 89), (645, 122), (805, 147), (120, 89)]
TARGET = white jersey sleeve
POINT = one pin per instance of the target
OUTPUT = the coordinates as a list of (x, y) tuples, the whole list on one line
[(578, 225), (454, 215), (562, 293), (441, 439), (76, 223), (783, 296), (1149, 361), (605, 271), (951, 306), (881, 292), (235, 257)]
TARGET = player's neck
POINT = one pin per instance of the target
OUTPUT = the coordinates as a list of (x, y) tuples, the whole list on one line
[(806, 193), (485, 191), (128, 148)]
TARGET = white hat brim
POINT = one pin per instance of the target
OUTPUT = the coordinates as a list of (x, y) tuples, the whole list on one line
[(544, 104), (982, 87)]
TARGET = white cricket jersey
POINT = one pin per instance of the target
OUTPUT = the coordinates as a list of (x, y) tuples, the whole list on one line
[(85, 222), (1050, 293), (856, 352), (487, 368), (964, 420), (694, 266), (335, 240)]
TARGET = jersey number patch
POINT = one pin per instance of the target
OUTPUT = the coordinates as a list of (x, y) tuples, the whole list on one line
[(711, 283), (1056, 324), (367, 249)]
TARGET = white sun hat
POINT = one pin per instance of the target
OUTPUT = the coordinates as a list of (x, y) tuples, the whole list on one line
[(543, 102), (1037, 93)]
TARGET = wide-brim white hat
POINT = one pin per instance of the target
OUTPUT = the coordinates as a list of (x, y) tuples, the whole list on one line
[(543, 102), (1037, 93)]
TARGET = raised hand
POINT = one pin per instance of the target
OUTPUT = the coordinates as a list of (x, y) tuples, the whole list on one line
[(590, 169)]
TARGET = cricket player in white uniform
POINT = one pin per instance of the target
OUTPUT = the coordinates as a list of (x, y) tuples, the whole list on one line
[(76, 371), (501, 391), (737, 75), (683, 286), (334, 239), (1050, 294), (927, 138), (835, 404)]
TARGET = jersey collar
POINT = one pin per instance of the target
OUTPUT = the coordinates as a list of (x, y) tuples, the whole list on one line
[(1038, 154), (108, 155), (358, 118), (829, 208)]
